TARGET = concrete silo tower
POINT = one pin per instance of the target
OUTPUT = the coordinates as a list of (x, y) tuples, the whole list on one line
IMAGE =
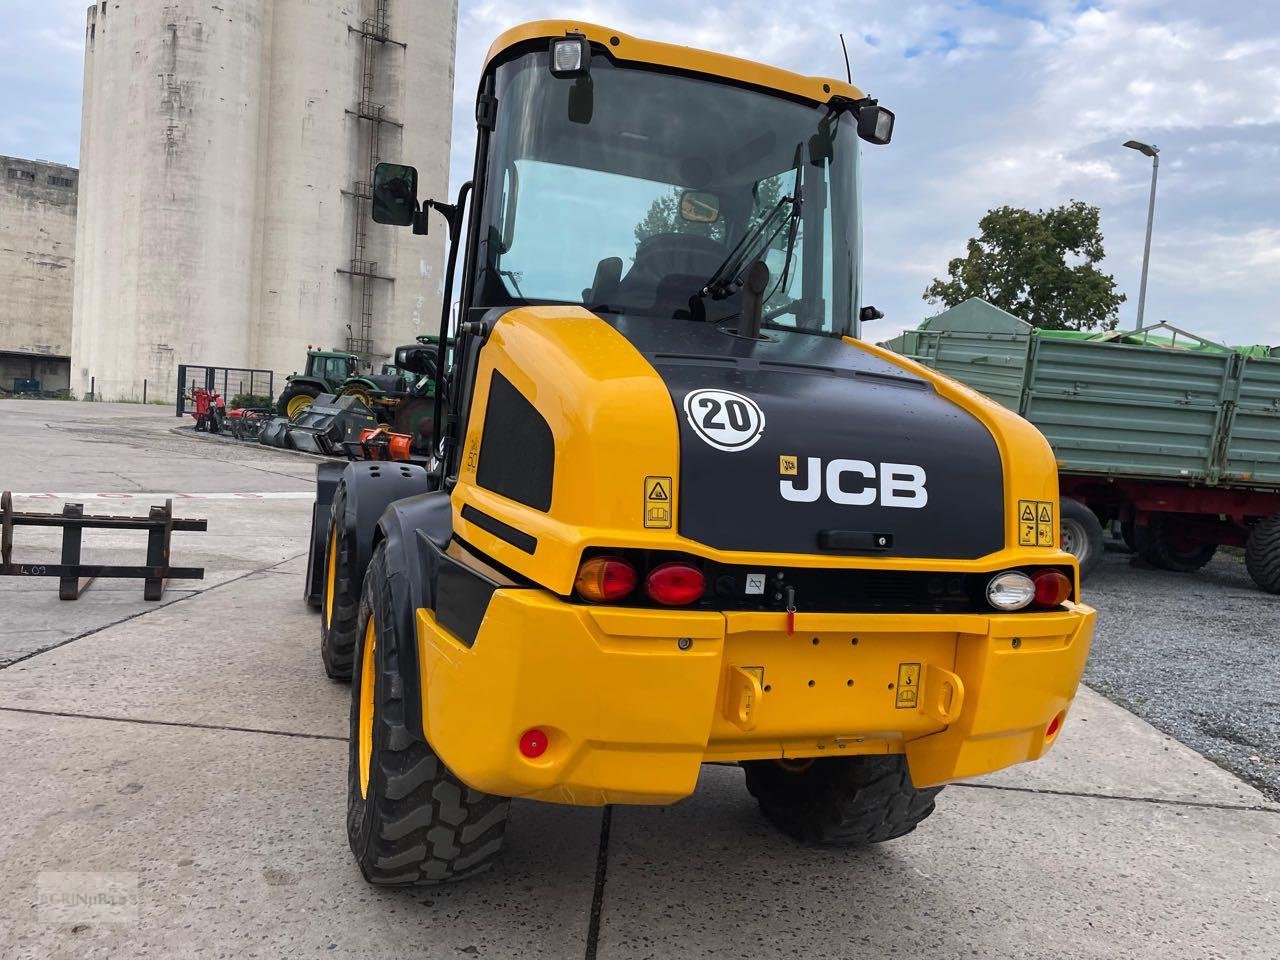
[(226, 149)]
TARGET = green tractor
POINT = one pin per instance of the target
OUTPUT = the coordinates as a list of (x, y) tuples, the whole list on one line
[(402, 395)]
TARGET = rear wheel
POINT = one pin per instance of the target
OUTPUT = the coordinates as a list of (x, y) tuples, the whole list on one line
[(1262, 554), (415, 416), (1081, 535), (840, 801), (340, 604), (409, 819), (295, 399), (1168, 543)]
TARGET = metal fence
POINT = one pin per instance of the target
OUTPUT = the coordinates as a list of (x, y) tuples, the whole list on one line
[(228, 381)]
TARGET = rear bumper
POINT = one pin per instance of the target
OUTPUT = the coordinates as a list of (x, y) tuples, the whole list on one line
[(634, 701)]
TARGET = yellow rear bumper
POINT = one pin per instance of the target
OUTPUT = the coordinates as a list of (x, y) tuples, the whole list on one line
[(634, 701)]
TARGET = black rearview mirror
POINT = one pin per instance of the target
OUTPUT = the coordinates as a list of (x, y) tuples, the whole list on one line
[(419, 360), (698, 206), (395, 194)]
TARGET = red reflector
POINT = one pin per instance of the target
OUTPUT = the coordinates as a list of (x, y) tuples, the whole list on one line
[(1052, 587), (1054, 724), (605, 579), (533, 743), (675, 584)]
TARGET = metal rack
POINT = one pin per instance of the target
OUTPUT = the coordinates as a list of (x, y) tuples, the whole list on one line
[(374, 33)]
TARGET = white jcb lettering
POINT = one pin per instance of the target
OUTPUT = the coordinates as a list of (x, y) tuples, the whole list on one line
[(855, 483), (856, 498), (810, 493), (902, 485)]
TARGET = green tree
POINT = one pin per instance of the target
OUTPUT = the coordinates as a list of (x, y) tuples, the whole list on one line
[(1041, 267)]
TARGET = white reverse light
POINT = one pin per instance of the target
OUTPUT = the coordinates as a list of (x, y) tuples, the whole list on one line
[(1011, 590)]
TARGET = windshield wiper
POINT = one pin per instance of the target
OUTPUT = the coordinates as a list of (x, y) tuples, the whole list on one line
[(728, 277)]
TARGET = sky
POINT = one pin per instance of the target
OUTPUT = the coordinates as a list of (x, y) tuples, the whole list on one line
[(997, 102)]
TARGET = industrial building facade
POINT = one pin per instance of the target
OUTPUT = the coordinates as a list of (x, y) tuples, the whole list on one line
[(226, 152), (37, 255)]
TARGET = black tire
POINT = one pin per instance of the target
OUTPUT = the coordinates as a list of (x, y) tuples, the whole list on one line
[(1162, 545), (1128, 535), (1081, 535), (339, 611), (294, 390), (418, 823), (840, 801), (1262, 554)]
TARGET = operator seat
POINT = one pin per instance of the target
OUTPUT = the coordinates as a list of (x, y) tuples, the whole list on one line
[(668, 269)]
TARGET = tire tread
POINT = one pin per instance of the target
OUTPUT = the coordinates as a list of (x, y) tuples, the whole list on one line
[(426, 825), (841, 801)]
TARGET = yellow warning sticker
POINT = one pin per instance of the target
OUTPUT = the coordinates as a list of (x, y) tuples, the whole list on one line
[(788, 466), (908, 689), (657, 502), (1035, 523)]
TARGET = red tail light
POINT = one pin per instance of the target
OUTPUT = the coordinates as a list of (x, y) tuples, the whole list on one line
[(1052, 588), (675, 584), (605, 579)]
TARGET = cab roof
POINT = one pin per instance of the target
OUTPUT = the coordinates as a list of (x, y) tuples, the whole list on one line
[(629, 49)]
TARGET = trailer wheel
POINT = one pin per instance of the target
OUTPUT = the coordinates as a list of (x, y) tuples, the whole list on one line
[(1164, 543), (340, 597), (1128, 535), (409, 819), (1081, 535), (840, 801), (1262, 554)]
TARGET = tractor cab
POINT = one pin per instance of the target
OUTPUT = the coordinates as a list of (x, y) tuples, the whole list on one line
[(331, 366)]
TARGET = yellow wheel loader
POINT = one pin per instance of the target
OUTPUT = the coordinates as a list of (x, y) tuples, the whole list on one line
[(679, 512)]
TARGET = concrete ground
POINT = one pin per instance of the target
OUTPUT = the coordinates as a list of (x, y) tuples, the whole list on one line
[(173, 784)]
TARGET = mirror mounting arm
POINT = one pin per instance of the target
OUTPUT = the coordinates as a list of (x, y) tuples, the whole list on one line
[(447, 210)]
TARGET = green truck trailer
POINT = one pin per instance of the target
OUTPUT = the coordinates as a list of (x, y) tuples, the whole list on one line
[(1174, 437)]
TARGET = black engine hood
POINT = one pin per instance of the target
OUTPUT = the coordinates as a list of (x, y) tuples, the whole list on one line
[(806, 444)]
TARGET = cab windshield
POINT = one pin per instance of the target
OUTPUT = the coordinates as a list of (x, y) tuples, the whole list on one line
[(645, 193)]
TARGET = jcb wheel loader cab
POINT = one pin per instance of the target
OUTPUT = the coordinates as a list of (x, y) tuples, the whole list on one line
[(684, 514)]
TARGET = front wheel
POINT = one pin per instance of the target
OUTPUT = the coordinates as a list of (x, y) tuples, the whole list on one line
[(840, 801), (409, 819), (295, 399), (340, 605)]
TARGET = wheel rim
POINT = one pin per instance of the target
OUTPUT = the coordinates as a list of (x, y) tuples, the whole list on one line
[(365, 731), (364, 395), (331, 575), (297, 404), (1074, 541)]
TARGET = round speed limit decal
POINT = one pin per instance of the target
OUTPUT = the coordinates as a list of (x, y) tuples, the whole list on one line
[(726, 420)]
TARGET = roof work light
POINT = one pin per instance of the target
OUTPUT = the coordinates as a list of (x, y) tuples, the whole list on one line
[(570, 56)]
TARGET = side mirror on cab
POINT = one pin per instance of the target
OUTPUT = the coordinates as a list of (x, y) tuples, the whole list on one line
[(395, 194)]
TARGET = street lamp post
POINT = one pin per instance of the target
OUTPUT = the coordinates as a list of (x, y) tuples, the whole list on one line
[(1152, 151)]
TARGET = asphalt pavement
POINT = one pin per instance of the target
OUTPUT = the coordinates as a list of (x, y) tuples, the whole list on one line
[(174, 777)]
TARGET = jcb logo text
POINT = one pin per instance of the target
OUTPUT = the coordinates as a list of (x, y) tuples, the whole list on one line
[(854, 483)]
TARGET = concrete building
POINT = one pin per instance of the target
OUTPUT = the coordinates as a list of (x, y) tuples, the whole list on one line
[(226, 152), (37, 251)]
